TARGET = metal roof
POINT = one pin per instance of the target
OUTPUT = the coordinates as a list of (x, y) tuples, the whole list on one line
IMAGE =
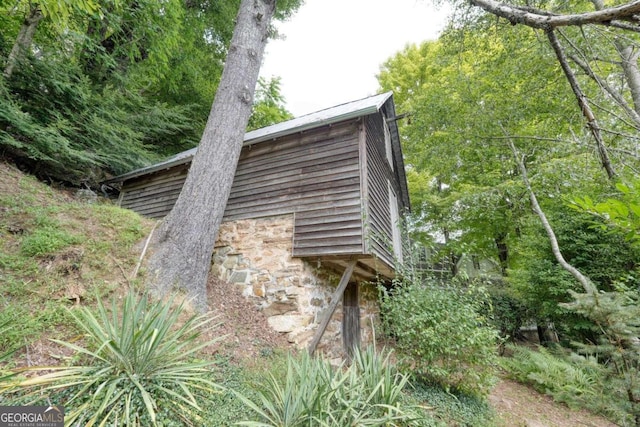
[(327, 116)]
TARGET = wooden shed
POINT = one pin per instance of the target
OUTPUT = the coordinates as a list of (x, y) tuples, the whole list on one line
[(339, 171)]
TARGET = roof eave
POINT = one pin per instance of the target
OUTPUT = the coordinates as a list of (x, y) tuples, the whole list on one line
[(260, 135)]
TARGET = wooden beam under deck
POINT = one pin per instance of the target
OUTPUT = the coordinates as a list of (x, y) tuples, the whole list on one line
[(335, 299)]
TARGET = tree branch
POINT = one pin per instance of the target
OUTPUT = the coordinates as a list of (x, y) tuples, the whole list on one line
[(582, 103), (546, 20), (627, 152), (586, 283), (616, 96)]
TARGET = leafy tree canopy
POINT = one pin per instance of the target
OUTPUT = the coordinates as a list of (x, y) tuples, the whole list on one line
[(102, 88)]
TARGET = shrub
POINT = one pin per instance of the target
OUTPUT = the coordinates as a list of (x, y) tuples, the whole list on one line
[(618, 348), (136, 365), (507, 313), (441, 335)]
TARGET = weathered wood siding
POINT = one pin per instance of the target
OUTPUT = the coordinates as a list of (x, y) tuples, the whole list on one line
[(314, 174), (379, 175), (155, 194)]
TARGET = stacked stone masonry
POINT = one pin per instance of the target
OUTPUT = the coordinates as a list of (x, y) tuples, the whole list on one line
[(255, 255)]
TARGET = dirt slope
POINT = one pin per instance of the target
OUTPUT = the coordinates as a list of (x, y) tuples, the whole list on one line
[(520, 405)]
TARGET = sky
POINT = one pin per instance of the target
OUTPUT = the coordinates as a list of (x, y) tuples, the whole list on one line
[(333, 49)]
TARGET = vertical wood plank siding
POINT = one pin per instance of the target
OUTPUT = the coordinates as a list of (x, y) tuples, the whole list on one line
[(314, 174), (379, 174)]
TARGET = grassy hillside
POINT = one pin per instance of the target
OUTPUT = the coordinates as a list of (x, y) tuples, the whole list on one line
[(57, 252)]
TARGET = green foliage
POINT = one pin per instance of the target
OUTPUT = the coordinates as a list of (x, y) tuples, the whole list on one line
[(59, 13), (313, 393), (603, 255), (621, 214), (455, 408), (137, 363), (616, 314), (578, 381), (115, 86), (615, 311), (441, 334), (507, 313), (54, 122), (468, 95), (465, 93), (268, 108)]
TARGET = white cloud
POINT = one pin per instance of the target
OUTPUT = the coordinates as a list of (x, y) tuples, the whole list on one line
[(334, 48)]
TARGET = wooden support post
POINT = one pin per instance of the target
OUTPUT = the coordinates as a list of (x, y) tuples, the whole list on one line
[(351, 319), (335, 299)]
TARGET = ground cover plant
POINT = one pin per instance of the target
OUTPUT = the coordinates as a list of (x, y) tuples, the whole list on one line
[(575, 380), (56, 251)]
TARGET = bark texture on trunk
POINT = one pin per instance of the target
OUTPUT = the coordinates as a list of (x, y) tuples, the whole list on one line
[(24, 39), (181, 255), (629, 55)]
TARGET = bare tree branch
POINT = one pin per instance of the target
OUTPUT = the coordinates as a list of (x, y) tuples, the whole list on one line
[(586, 283), (615, 95), (582, 102), (529, 137), (627, 152), (616, 117), (546, 20)]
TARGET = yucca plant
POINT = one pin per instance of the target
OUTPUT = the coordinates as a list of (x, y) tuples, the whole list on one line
[(291, 401), (371, 393), (379, 377), (314, 393), (137, 362)]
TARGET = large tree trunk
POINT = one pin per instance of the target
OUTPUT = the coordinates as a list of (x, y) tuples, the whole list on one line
[(24, 39), (503, 252), (183, 245)]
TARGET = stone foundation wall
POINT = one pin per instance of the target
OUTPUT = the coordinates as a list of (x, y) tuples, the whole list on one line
[(255, 255)]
